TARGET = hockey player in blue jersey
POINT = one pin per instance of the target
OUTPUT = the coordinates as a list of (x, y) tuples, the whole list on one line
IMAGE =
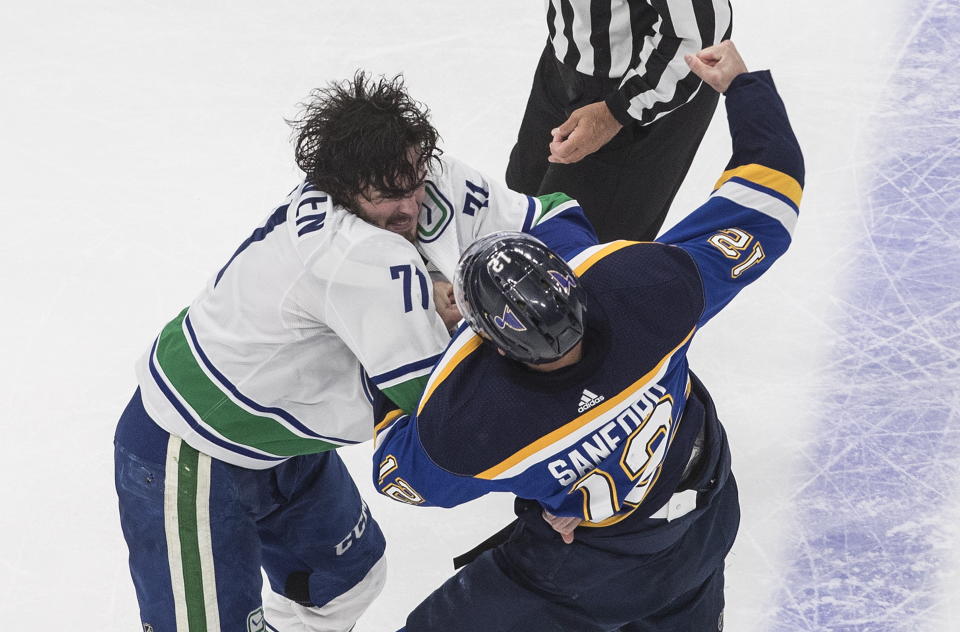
[(571, 389)]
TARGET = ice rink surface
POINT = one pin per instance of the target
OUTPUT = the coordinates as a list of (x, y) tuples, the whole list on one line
[(142, 141)]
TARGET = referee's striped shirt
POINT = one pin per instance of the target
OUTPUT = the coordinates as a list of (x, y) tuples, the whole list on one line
[(640, 42)]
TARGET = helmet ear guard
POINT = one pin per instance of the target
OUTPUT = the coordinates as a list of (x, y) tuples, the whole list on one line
[(516, 292)]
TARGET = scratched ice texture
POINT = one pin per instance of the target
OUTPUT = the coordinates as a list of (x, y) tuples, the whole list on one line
[(141, 141), (870, 548)]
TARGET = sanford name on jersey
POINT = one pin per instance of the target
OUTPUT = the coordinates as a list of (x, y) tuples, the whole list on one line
[(593, 450)]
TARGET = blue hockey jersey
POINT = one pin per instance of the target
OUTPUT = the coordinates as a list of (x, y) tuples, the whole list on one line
[(607, 437)]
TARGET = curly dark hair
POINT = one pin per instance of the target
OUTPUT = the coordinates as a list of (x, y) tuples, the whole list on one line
[(357, 135)]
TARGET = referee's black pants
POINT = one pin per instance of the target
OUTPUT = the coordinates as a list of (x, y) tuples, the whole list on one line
[(625, 187)]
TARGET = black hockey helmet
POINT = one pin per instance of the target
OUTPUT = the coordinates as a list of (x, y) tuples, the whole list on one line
[(521, 295)]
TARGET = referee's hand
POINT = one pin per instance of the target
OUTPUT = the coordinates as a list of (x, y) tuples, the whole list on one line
[(588, 129)]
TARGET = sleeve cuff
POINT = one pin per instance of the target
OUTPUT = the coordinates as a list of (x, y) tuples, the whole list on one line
[(747, 79), (618, 105)]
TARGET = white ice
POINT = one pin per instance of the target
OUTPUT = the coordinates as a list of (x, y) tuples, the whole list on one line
[(141, 142)]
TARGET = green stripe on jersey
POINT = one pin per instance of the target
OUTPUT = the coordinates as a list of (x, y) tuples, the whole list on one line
[(216, 409), (407, 394), (549, 202)]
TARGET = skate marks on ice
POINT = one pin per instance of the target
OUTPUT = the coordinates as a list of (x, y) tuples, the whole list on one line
[(873, 546)]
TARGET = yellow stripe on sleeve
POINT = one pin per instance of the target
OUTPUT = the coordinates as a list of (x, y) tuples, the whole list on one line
[(386, 421), (607, 249), (469, 347), (766, 177)]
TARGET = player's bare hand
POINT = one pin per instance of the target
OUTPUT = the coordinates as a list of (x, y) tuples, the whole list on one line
[(588, 129), (562, 525), (717, 65), (446, 304)]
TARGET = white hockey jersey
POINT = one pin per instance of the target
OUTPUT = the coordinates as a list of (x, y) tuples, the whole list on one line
[(270, 360)]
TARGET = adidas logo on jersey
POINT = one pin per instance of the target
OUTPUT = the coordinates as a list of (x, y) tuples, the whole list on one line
[(588, 400)]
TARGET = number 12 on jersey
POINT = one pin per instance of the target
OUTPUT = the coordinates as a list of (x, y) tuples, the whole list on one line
[(640, 460), (405, 274), (732, 242)]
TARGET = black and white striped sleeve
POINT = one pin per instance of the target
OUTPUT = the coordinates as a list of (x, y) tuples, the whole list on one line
[(661, 81)]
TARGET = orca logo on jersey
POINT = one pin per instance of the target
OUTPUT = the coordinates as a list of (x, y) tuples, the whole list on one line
[(509, 319), (256, 621), (565, 281), (435, 214)]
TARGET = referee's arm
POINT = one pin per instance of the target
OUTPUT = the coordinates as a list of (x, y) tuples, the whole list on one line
[(661, 81)]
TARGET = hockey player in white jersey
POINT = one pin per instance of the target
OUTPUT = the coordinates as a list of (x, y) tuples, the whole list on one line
[(224, 456)]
